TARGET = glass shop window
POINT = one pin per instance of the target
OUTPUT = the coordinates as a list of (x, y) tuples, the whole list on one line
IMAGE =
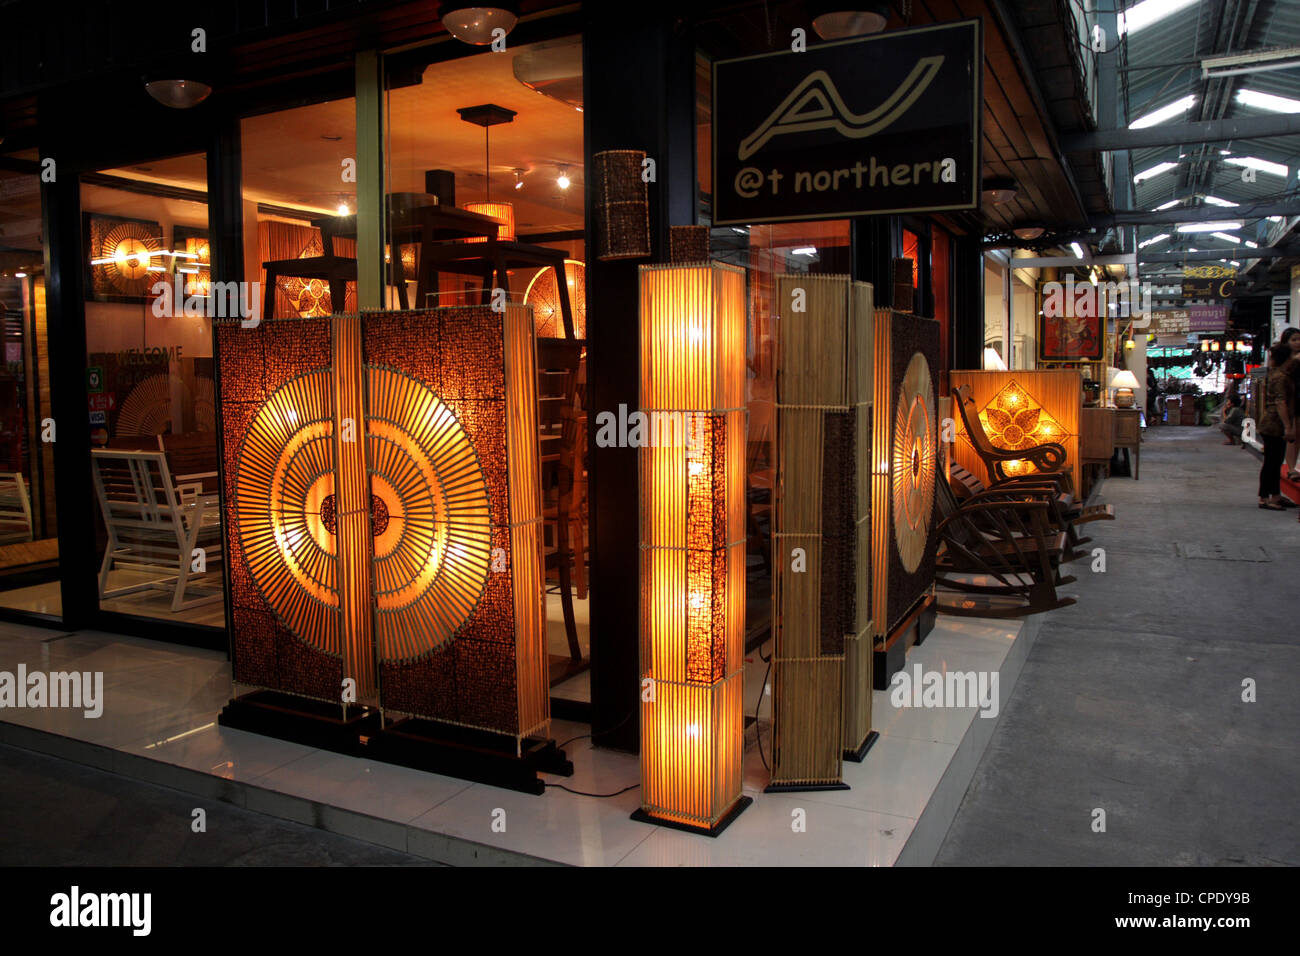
[(485, 185), (149, 375), (995, 316), (29, 547), (299, 196)]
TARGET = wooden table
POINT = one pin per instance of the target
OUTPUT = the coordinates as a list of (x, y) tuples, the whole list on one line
[(1128, 434)]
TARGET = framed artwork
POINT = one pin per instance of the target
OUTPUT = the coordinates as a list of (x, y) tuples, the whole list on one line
[(124, 258), (1070, 328)]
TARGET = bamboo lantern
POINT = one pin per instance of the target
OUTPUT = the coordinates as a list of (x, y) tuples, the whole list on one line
[(818, 401), (1020, 409), (502, 212), (692, 501), (622, 205), (386, 518), (688, 243), (544, 296)]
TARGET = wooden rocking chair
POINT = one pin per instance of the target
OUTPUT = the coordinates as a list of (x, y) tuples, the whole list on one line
[(1048, 458), (1007, 546)]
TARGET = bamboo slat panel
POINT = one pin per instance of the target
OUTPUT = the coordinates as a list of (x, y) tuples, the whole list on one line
[(816, 569), (1057, 396)]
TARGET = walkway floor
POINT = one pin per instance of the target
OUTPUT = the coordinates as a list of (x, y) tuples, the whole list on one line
[(1131, 700)]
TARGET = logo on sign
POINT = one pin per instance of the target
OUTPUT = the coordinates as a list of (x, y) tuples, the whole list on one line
[(816, 104)]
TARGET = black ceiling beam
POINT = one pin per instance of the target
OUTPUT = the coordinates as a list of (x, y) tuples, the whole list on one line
[(1203, 131), (1169, 217)]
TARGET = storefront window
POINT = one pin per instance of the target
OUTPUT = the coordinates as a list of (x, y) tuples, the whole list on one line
[(490, 146), (29, 547), (151, 386)]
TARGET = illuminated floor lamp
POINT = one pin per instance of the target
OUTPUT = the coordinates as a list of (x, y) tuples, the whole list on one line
[(692, 501)]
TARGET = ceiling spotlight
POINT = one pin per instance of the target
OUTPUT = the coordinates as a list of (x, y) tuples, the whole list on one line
[(563, 180), (1077, 250), (178, 94), (343, 209), (838, 19), (20, 275), (1000, 190), (519, 179), (1028, 232), (474, 22)]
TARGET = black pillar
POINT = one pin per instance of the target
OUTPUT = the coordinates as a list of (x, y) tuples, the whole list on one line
[(638, 79), (873, 240), (968, 302)]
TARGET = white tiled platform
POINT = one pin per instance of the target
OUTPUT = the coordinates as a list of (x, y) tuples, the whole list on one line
[(159, 725)]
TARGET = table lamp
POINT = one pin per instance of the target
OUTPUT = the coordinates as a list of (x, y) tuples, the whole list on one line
[(1124, 382)]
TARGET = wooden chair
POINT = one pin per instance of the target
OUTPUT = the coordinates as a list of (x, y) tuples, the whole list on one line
[(1007, 545), (15, 508), (154, 525), (1048, 458)]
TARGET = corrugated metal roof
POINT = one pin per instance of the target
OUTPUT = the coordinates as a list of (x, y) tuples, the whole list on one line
[(1163, 64)]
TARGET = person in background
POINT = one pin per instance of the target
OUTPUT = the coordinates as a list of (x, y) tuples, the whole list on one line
[(1153, 389), (1291, 369), (1232, 416), (1276, 428)]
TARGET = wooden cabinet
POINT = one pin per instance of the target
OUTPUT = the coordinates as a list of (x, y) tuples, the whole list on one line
[(1096, 435), (1128, 434)]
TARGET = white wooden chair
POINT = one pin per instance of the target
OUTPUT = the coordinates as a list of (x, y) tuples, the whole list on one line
[(15, 508), (154, 525)]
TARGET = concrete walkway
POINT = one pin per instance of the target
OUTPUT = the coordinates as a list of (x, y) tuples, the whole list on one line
[(1131, 700)]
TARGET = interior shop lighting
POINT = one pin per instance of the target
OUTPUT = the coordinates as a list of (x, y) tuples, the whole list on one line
[(1263, 165), (1210, 226), (1148, 12), (1152, 171), (1153, 240), (1216, 201), (1166, 112)]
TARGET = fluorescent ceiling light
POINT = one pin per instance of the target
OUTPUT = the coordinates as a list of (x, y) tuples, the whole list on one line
[(1077, 250), (1152, 171), (1251, 245), (1169, 205), (1263, 165), (1148, 12), (1209, 226), (1259, 61), (1225, 237), (1268, 101), (1274, 218), (1235, 262), (1153, 240), (1166, 112), (1216, 201), (804, 251), (1193, 249)]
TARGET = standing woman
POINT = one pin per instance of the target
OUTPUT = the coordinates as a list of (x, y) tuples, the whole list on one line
[(1291, 368), (1276, 428)]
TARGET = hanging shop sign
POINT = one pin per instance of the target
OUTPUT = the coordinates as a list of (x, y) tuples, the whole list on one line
[(882, 124), (1174, 323), (1207, 318), (1209, 282)]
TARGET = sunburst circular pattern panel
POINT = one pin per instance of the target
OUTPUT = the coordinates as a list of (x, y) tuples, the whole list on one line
[(914, 462), (433, 555)]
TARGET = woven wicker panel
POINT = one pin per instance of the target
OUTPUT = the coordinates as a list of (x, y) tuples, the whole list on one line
[(467, 647), (688, 243), (621, 204), (254, 365)]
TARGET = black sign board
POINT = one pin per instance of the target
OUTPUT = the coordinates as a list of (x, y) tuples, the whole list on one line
[(882, 124), (1209, 282)]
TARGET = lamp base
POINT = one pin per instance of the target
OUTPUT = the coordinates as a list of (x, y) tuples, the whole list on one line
[(722, 824), (804, 787), (312, 723), (858, 755), (890, 654)]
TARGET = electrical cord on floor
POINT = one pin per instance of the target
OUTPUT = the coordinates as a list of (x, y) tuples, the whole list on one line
[(593, 733), (584, 793)]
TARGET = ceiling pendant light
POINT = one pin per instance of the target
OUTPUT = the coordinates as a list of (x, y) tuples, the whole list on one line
[(839, 19), (563, 180), (475, 22), (487, 116), (176, 93)]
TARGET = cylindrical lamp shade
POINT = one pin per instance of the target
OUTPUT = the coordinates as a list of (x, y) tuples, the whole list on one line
[(692, 543), (622, 205), (502, 212)]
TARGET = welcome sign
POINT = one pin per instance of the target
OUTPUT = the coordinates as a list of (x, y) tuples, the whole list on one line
[(882, 124)]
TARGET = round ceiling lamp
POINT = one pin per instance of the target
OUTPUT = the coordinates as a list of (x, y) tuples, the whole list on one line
[(1000, 190), (1028, 233), (178, 94), (839, 20), (475, 22)]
